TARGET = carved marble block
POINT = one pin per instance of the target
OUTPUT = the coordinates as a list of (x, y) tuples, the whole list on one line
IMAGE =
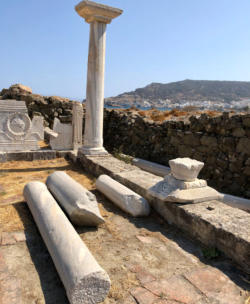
[(67, 136), (17, 131), (62, 138), (186, 169)]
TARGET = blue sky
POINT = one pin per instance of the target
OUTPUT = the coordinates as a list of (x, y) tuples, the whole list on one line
[(44, 44)]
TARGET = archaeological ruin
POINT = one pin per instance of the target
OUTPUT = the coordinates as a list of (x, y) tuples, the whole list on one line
[(107, 206)]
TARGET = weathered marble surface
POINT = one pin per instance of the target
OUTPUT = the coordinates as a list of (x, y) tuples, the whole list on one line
[(63, 140), (50, 132), (77, 117), (17, 131), (98, 15), (185, 168), (92, 11), (79, 203), (123, 197), (235, 201), (84, 280), (151, 167)]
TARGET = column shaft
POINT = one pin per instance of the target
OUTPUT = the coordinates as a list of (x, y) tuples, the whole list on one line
[(93, 134)]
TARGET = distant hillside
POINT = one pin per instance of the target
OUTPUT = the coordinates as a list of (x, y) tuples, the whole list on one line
[(187, 90)]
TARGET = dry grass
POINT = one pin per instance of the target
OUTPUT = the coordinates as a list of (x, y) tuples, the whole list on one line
[(14, 218), (212, 113), (13, 177), (160, 116)]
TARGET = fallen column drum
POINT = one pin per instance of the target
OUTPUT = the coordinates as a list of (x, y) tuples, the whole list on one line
[(123, 197), (84, 280), (79, 203)]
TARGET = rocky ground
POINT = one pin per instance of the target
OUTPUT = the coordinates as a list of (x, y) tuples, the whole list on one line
[(147, 260)]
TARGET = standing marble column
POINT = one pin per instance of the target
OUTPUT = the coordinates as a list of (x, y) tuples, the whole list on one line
[(98, 15)]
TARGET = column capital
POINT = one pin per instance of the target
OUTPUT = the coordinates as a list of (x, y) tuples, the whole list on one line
[(92, 11)]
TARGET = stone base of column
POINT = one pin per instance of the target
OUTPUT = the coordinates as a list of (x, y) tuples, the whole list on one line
[(93, 151)]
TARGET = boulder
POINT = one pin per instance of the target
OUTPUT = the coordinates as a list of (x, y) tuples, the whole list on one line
[(21, 88)]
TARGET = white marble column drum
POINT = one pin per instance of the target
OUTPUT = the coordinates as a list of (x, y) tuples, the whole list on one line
[(98, 15)]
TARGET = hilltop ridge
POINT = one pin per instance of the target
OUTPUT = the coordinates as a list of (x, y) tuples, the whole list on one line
[(186, 91)]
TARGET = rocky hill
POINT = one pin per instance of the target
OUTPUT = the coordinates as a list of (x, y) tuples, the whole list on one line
[(183, 91)]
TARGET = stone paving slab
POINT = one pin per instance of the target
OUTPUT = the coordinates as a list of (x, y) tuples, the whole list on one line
[(104, 164), (214, 284), (201, 286)]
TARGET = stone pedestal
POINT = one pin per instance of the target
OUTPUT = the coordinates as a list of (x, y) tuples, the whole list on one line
[(182, 184), (98, 16)]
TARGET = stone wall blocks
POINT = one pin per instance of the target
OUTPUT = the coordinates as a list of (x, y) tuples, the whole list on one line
[(209, 141), (246, 121), (185, 151), (191, 139), (247, 171), (247, 162), (244, 146), (238, 132)]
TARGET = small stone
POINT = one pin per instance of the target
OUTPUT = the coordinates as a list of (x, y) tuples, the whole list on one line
[(186, 169)]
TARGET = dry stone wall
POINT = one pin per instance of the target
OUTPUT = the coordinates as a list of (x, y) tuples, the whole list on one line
[(222, 143), (49, 107)]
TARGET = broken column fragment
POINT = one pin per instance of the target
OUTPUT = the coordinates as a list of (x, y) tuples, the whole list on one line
[(151, 167), (79, 203), (182, 184), (123, 197), (84, 280)]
